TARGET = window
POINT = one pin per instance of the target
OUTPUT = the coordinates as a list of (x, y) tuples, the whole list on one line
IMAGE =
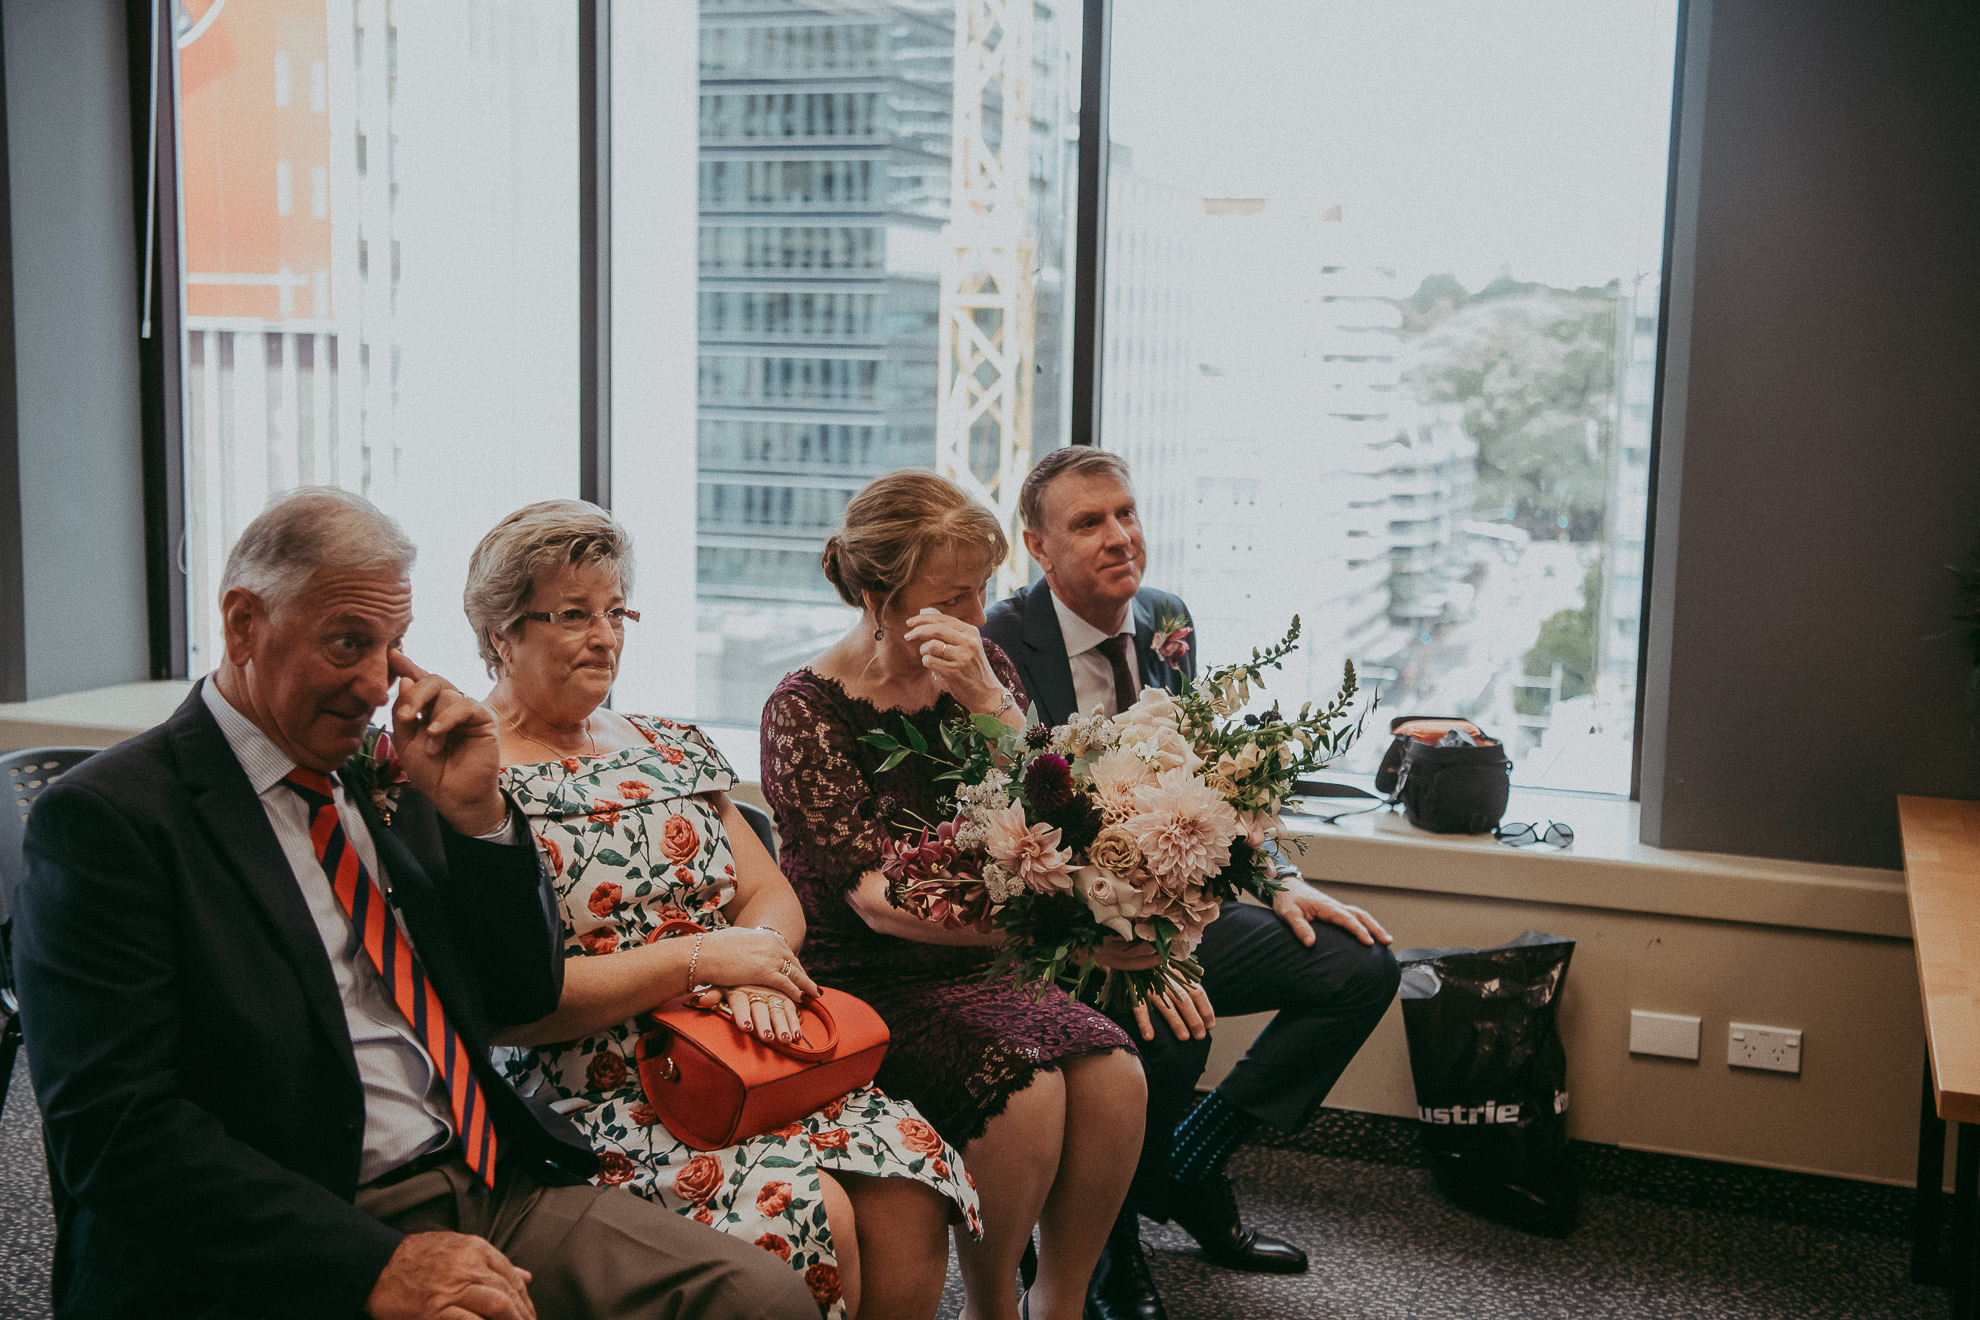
[(441, 382), (826, 233), (1406, 259), (1380, 313)]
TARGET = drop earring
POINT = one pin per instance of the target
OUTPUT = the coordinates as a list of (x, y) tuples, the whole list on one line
[(879, 634)]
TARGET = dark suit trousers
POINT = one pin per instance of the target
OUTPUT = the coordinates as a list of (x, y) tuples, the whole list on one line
[(597, 1252), (1328, 999)]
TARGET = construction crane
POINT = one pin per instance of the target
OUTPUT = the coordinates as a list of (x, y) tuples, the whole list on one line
[(985, 350)]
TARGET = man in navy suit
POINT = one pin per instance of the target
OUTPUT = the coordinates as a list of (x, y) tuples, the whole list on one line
[(242, 1119), (1084, 636)]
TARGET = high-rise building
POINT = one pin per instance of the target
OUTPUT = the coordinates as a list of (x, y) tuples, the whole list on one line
[(380, 244), (827, 136), (1145, 378), (1626, 517), (1319, 487)]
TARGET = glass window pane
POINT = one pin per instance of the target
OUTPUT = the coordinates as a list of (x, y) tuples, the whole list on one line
[(1381, 315), (831, 215), (381, 288)]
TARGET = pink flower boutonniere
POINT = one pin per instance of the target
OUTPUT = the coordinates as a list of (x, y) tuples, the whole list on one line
[(378, 772), (1172, 638)]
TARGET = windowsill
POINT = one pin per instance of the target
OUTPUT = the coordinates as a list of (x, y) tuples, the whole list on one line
[(96, 718), (1607, 867)]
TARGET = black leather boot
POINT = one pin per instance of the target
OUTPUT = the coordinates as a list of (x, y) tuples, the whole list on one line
[(1208, 1212), (1121, 1287)]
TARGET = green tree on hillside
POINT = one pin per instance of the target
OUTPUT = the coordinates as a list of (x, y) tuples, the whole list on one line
[(1533, 368)]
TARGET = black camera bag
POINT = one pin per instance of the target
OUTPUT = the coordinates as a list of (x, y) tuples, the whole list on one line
[(1448, 790)]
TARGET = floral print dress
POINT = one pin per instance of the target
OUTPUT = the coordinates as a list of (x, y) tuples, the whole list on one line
[(634, 841)]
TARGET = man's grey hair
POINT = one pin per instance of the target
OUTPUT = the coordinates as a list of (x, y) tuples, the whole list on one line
[(1071, 458), (309, 528), (545, 537)]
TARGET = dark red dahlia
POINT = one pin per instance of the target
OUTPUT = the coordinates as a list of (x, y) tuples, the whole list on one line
[(1048, 784), (1079, 822)]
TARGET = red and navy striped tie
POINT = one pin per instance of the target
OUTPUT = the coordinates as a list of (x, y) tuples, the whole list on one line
[(405, 981)]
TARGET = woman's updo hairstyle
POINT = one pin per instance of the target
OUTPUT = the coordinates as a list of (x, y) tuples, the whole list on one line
[(545, 537), (889, 529)]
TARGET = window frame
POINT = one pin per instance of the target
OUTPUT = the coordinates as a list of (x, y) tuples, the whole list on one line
[(154, 88)]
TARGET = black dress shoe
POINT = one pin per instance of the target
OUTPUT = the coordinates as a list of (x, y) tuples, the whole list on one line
[(1121, 1287), (1208, 1212)]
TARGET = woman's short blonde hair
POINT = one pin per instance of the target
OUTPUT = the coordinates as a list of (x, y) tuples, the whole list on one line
[(890, 527), (540, 538)]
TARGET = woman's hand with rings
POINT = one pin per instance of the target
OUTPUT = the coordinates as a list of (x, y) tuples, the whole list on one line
[(768, 1013), (750, 956), (952, 651)]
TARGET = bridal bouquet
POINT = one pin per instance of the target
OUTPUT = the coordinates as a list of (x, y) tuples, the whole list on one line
[(1136, 827)]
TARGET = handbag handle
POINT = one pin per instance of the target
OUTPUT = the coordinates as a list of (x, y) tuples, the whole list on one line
[(804, 1047)]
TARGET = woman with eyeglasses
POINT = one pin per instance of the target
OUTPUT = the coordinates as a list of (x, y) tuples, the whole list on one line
[(632, 814)]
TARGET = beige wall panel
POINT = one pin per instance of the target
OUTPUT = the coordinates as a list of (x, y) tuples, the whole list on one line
[(1851, 1111)]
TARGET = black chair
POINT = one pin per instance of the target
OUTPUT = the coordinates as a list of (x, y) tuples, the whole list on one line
[(25, 773), (759, 820)]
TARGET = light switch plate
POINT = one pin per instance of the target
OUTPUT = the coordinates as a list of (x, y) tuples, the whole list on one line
[(1673, 1035), (1775, 1049)]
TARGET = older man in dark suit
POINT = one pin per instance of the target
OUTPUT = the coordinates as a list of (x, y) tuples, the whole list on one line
[(1091, 635), (258, 1003)]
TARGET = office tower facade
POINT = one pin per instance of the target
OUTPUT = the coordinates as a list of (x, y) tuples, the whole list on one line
[(381, 235), (827, 138), (1145, 384)]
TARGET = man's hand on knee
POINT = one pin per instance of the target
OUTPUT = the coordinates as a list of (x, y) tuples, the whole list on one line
[(1299, 905), (449, 1276)]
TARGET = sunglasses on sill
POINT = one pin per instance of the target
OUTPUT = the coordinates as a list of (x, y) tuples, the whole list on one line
[(1520, 835)]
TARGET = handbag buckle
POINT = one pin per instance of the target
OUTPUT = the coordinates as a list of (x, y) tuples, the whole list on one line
[(673, 1073)]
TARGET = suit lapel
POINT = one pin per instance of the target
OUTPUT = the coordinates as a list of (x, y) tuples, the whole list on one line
[(237, 828), (1047, 669), (1155, 671)]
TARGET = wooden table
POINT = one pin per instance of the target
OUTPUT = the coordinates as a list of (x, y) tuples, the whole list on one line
[(1942, 885)]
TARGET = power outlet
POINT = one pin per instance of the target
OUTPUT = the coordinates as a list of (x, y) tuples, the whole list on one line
[(1775, 1049)]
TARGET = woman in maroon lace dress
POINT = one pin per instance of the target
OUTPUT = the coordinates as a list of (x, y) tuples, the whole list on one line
[(1045, 1096)]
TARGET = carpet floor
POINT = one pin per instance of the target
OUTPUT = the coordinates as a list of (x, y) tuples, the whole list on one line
[(1683, 1241)]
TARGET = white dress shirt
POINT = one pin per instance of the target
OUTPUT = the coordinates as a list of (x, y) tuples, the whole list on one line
[(406, 1112), (1092, 671)]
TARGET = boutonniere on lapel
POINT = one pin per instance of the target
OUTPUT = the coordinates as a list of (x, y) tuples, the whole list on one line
[(377, 772), (1172, 637)]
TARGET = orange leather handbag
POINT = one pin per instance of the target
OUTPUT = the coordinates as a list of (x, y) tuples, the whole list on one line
[(714, 1084)]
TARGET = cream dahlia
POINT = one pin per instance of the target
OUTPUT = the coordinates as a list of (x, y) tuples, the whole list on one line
[(1183, 827)]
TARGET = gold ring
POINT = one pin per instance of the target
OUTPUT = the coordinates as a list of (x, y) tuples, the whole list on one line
[(758, 1000), (785, 970)]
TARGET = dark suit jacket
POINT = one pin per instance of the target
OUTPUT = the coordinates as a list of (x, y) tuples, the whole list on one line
[(1027, 627), (196, 1077)]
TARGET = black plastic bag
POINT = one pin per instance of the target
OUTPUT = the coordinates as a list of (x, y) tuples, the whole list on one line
[(1491, 1077)]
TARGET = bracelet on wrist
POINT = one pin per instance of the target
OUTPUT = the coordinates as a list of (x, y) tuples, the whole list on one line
[(694, 956), (1007, 703)]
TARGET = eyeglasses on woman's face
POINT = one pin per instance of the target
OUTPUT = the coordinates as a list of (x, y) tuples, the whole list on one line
[(580, 621)]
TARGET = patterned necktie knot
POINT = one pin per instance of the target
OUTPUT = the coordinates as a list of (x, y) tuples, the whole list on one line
[(314, 786)]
